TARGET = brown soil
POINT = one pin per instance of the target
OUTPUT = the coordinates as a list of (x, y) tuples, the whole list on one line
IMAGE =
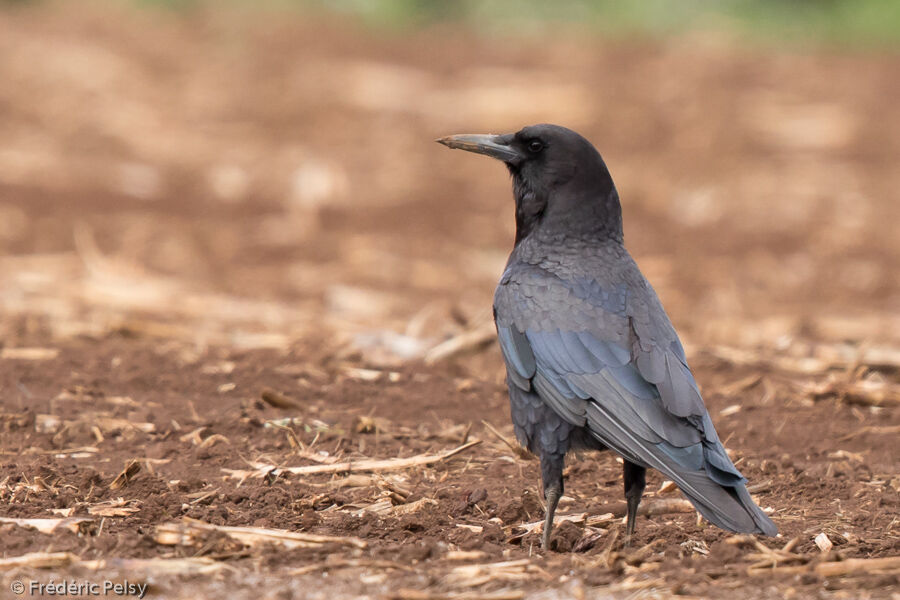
[(200, 211)]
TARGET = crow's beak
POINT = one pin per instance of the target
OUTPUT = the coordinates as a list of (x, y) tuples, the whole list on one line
[(496, 146)]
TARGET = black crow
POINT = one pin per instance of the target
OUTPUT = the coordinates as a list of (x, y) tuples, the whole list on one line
[(592, 360)]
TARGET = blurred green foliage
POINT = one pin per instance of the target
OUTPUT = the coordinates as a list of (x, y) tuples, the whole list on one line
[(847, 21), (852, 22)]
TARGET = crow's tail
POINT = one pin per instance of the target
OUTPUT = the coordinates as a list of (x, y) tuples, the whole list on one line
[(729, 507), (705, 475)]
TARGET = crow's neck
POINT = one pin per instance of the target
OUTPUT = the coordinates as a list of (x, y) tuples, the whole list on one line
[(570, 213), (530, 205)]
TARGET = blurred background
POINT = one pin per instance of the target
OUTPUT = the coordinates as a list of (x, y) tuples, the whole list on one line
[(227, 238), (254, 174)]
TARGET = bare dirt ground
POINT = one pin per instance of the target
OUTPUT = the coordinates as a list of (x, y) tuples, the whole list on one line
[(235, 270)]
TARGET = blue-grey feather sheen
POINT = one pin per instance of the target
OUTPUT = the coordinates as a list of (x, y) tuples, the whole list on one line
[(587, 334)]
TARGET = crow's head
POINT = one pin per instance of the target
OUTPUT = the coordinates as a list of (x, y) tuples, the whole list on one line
[(560, 182)]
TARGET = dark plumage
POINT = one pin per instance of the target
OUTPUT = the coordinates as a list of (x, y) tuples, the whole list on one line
[(592, 360)]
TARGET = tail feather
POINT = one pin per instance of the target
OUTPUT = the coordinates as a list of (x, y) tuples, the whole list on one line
[(727, 506), (765, 524)]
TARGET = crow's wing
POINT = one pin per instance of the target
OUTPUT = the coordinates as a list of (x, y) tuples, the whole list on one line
[(605, 357)]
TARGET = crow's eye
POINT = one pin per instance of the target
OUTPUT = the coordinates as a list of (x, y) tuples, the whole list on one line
[(535, 146)]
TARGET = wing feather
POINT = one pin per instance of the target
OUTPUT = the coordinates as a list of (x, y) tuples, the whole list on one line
[(634, 394)]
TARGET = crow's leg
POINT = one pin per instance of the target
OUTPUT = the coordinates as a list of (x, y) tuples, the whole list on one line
[(551, 475), (551, 495), (634, 488)]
